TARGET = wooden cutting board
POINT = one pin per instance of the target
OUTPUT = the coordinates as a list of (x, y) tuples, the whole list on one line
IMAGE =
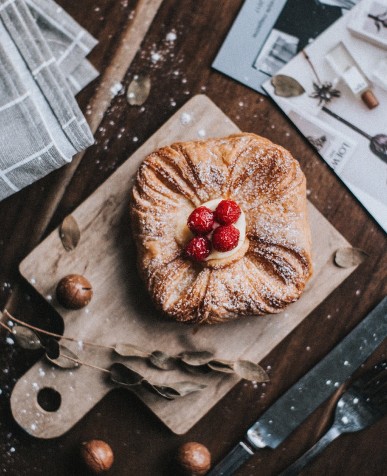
[(120, 310)]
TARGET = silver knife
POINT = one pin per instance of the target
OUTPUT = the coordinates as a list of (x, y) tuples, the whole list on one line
[(295, 405)]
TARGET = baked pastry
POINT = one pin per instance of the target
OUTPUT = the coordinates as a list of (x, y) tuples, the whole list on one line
[(270, 262)]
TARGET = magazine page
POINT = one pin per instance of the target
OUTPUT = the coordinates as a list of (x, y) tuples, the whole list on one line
[(267, 34), (335, 92)]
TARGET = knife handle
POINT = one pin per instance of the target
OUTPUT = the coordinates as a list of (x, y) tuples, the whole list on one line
[(234, 460)]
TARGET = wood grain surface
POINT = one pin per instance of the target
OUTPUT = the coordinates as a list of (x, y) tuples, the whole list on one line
[(119, 311), (142, 445)]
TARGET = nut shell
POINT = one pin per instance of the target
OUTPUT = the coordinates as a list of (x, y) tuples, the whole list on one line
[(194, 459), (74, 291), (97, 456)]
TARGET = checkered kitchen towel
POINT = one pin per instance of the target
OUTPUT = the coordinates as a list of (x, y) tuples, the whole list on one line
[(42, 65)]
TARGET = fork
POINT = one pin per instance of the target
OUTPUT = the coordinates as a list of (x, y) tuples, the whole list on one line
[(363, 403)]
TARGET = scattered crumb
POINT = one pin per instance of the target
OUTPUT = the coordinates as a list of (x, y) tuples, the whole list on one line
[(185, 118), (155, 57), (116, 89), (171, 36)]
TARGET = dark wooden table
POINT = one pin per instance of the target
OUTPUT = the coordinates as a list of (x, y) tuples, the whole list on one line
[(141, 444)]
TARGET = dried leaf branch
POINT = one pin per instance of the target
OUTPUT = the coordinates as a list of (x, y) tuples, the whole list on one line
[(53, 334), (198, 362), (124, 376), (119, 374)]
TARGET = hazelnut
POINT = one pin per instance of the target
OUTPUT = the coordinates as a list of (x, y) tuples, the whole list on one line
[(194, 459), (74, 291), (97, 456)]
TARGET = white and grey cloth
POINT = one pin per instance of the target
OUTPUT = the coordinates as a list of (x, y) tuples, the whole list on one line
[(42, 66)]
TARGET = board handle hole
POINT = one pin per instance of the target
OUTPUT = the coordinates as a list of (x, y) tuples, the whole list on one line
[(49, 399)]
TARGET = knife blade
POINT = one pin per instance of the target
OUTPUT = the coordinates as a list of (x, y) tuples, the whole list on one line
[(297, 403)]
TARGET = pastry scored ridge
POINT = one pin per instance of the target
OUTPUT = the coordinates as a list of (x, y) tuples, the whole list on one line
[(271, 269)]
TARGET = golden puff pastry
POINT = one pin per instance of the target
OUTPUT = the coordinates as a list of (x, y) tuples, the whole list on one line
[(270, 268)]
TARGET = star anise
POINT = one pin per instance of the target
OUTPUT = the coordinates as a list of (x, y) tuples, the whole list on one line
[(324, 92)]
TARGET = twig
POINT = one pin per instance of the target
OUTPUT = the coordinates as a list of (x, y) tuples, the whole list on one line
[(6, 327), (79, 362), (311, 65), (53, 334)]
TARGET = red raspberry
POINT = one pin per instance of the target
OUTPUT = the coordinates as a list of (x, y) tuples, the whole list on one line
[(201, 221), (198, 248), (225, 238), (227, 212)]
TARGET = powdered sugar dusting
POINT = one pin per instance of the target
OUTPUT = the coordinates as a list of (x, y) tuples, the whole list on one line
[(185, 118), (267, 183), (171, 36)]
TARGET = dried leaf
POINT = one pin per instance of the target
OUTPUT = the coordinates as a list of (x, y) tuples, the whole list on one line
[(62, 361), (123, 375), (195, 369), (250, 371), (224, 366), (176, 390), (26, 338), (138, 90), (52, 349), (348, 257), (129, 350), (163, 391), (162, 361), (196, 358), (69, 233), (185, 388), (286, 86)]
